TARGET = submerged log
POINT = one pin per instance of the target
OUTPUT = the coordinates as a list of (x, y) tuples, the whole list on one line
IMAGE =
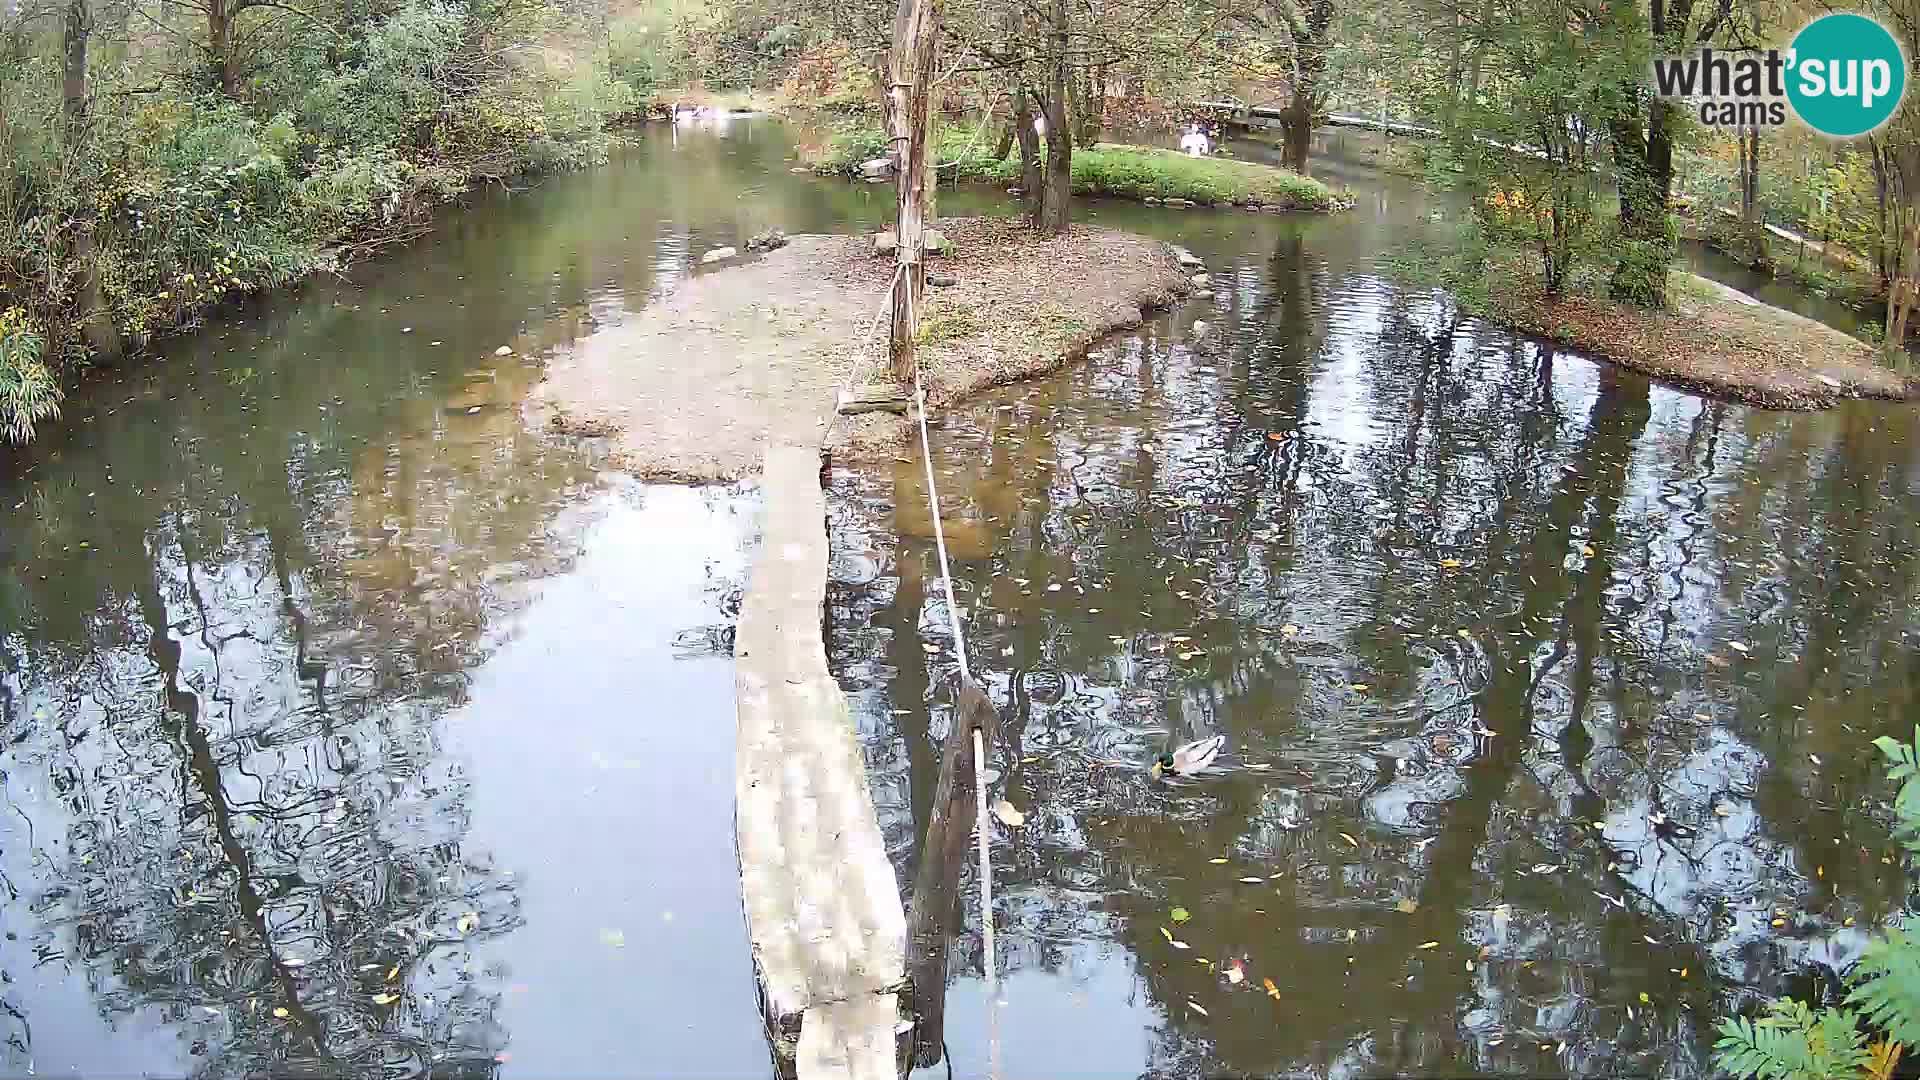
[(933, 915)]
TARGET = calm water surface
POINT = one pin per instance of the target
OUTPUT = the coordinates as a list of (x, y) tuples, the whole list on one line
[(353, 726)]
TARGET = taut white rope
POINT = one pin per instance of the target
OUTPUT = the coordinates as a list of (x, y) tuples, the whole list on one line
[(981, 831)]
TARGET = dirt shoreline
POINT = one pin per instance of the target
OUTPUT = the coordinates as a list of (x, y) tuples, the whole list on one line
[(691, 388), (1716, 341)]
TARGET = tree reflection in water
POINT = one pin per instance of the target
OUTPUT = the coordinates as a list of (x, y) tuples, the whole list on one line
[(1535, 661)]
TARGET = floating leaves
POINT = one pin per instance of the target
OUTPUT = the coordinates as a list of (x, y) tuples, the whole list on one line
[(1180, 915), (1407, 905), (613, 938), (1218, 862), (468, 922), (1236, 972), (1195, 1006), (1450, 564), (1008, 816), (1166, 933), (1429, 945), (385, 999), (280, 1012), (1272, 990), (1348, 837)]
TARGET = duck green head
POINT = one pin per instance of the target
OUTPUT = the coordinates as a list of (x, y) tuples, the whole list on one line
[(1161, 766)]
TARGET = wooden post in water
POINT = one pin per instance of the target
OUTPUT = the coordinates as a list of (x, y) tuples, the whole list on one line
[(933, 915), (909, 101)]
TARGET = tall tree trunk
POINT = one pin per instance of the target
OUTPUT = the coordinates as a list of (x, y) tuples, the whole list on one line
[(1056, 205), (1643, 162), (1310, 32), (1753, 229), (914, 33), (1030, 182), (220, 46), (96, 321)]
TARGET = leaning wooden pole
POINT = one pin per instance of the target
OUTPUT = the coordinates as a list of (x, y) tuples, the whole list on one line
[(909, 101)]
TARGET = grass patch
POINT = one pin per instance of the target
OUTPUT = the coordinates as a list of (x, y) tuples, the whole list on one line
[(960, 322), (1113, 171)]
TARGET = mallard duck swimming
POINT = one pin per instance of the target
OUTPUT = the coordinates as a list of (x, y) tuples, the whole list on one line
[(1189, 759)]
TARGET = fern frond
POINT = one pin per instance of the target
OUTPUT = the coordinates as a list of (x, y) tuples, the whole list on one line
[(1792, 1042), (1889, 983)]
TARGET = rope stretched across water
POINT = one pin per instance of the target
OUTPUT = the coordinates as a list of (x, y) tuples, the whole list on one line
[(979, 745)]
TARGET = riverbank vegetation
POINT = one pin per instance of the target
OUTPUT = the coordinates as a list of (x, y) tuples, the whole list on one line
[(163, 156), (965, 152)]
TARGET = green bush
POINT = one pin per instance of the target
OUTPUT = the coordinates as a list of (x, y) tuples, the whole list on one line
[(1864, 1036), (163, 203)]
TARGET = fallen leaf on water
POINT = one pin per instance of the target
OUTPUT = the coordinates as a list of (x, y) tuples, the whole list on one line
[(1195, 1006), (468, 922), (1716, 660), (1738, 646), (1408, 905), (929, 646), (1181, 915), (1289, 629), (1450, 564), (1431, 945), (1218, 862), (1644, 999), (1272, 990), (614, 938), (393, 972), (1359, 688), (1723, 810), (385, 999), (281, 1013), (1815, 758), (1178, 944), (1587, 550), (1348, 837), (1166, 933), (1236, 973), (1253, 881), (1464, 634), (1351, 934), (1259, 766), (1007, 814)]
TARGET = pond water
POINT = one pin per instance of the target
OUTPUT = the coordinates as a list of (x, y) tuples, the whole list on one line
[(353, 726)]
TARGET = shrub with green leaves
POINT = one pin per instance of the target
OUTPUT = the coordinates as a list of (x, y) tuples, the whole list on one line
[(1863, 1036)]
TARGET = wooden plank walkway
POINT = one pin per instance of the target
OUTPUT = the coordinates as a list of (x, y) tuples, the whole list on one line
[(822, 903)]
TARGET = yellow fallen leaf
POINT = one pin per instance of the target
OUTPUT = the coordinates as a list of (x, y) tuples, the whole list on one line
[(393, 972), (1195, 1006), (1644, 999), (1450, 564), (281, 1012), (468, 922), (1431, 945), (1272, 990), (1008, 815), (1464, 634), (1178, 944), (1235, 975), (1359, 688), (1348, 837), (1587, 550), (385, 999), (1289, 629), (1408, 905), (1218, 862), (1166, 933)]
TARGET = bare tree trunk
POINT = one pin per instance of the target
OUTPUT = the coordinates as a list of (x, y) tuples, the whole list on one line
[(1030, 182), (220, 47), (1753, 230), (914, 33), (1056, 204)]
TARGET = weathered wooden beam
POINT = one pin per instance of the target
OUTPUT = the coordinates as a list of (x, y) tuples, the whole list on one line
[(933, 915), (822, 903), (863, 399)]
